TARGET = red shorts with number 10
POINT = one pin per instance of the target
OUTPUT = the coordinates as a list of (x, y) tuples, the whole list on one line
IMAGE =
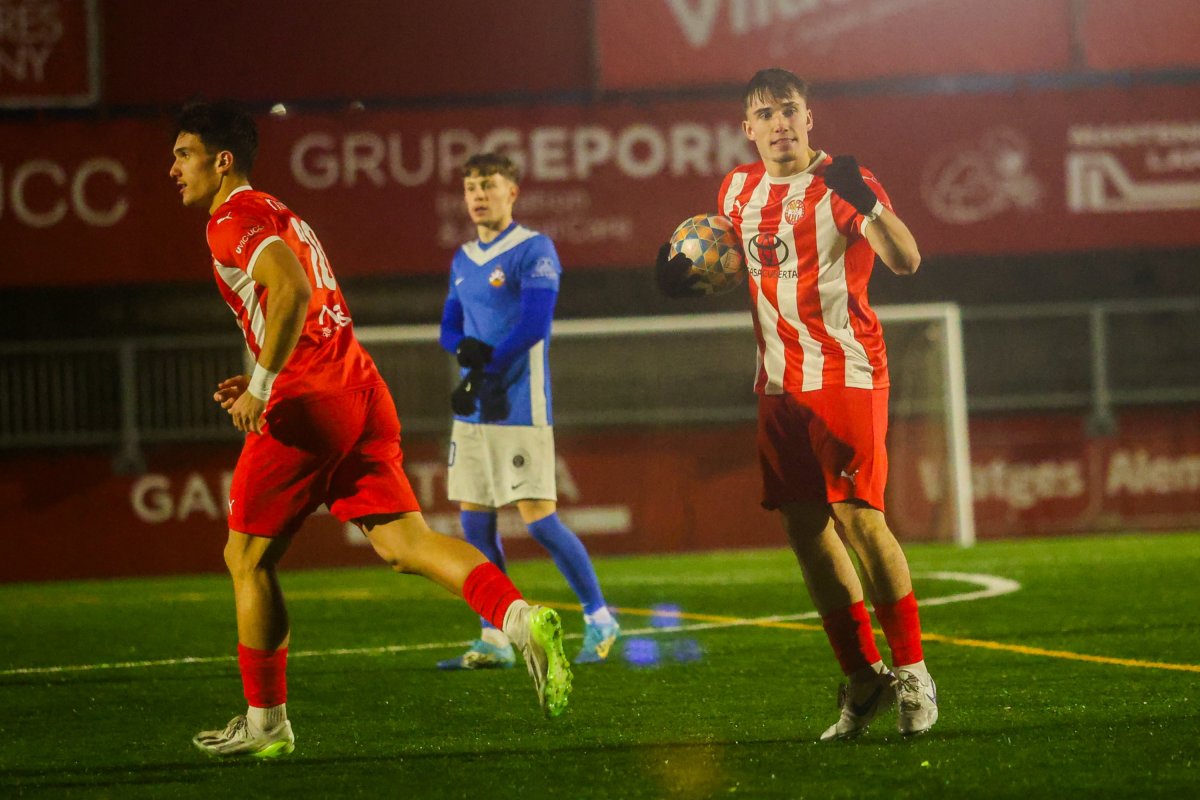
[(342, 451), (823, 446)]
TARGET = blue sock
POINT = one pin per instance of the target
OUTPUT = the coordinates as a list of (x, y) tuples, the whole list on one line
[(572, 560), (480, 530)]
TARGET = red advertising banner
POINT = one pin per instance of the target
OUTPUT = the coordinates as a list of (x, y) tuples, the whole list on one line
[(970, 174), (671, 43), (297, 50), (623, 492), (1149, 34), (49, 53)]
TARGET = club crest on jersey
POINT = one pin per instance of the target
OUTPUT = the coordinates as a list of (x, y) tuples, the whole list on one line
[(768, 249), (793, 212), (496, 279)]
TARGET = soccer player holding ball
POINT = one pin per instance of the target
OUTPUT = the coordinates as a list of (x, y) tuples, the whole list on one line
[(811, 227), (496, 320), (321, 428)]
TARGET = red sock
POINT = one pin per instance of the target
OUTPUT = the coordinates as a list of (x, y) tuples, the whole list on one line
[(264, 675), (849, 631), (489, 592), (902, 627)]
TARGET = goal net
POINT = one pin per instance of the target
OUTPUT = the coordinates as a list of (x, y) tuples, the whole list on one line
[(655, 425)]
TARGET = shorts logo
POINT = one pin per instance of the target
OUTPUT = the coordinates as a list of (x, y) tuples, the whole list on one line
[(519, 460), (496, 279), (793, 212)]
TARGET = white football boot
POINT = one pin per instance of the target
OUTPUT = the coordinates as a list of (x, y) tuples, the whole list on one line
[(916, 695), (860, 702), (537, 633), (242, 738)]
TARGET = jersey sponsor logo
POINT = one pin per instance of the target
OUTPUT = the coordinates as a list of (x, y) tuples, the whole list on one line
[(496, 279), (768, 249), (793, 212), (241, 245)]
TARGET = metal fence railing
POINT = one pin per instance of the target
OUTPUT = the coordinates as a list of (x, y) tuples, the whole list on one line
[(1091, 357)]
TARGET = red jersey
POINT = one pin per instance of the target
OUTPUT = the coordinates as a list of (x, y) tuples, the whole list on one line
[(809, 265), (328, 358)]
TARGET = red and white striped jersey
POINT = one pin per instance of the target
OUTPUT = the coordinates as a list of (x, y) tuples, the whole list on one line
[(809, 265), (328, 358)]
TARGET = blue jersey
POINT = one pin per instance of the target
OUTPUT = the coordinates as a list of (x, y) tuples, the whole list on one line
[(487, 280)]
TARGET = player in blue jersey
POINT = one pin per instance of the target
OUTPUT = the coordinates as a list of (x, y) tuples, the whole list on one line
[(496, 320)]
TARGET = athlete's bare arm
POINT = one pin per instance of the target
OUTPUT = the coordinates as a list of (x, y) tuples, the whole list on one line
[(893, 242), (288, 293)]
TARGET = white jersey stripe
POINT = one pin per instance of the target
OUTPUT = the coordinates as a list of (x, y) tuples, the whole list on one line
[(515, 237), (258, 252), (735, 188), (241, 284), (774, 363), (537, 384), (835, 297), (813, 365)]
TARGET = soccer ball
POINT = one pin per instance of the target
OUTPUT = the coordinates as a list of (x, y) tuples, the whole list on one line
[(711, 244)]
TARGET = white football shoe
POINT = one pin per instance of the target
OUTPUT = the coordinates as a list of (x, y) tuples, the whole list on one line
[(242, 738), (916, 695), (860, 702), (537, 632)]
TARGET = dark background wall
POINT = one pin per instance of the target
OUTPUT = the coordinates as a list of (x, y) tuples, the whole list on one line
[(354, 63)]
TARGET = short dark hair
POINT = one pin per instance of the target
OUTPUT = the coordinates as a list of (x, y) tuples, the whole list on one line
[(774, 84), (484, 164), (222, 125)]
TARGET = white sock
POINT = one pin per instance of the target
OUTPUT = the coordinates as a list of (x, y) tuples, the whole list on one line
[(266, 719), (517, 637), (495, 637), (601, 617), (918, 668)]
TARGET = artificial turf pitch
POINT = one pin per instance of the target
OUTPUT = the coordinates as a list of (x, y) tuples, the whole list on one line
[(727, 710)]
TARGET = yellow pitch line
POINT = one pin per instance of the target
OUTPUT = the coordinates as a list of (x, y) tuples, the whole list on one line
[(984, 644)]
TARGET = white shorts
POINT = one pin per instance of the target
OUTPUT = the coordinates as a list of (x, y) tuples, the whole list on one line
[(495, 465)]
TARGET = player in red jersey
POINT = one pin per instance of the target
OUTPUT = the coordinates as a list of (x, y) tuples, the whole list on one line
[(811, 227), (321, 428)]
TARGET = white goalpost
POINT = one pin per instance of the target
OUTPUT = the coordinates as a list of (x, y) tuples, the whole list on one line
[(657, 372)]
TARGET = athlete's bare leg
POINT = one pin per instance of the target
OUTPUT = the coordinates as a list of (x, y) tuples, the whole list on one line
[(262, 618), (410, 546), (885, 569), (828, 570), (533, 510)]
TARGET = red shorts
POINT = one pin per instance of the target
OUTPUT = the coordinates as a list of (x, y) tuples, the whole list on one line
[(342, 451), (825, 446)]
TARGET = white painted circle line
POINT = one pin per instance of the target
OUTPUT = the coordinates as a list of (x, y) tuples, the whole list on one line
[(992, 586)]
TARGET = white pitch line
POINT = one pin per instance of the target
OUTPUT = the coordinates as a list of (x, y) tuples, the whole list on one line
[(993, 586)]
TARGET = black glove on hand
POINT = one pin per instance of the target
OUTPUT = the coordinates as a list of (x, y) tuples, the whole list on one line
[(674, 274), (465, 396), (844, 178), (473, 354)]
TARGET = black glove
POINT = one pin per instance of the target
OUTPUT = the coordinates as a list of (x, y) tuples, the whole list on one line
[(844, 178), (473, 354), (674, 274), (465, 396)]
